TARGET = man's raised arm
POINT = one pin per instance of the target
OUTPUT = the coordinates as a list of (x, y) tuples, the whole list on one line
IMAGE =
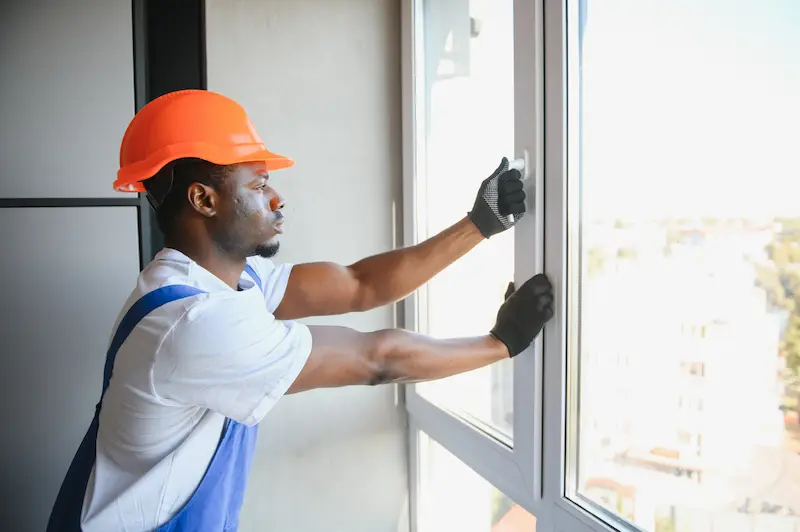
[(324, 288), (343, 357)]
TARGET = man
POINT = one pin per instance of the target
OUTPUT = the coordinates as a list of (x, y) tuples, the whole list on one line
[(206, 344)]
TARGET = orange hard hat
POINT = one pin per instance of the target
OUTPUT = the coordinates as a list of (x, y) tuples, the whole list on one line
[(189, 124)]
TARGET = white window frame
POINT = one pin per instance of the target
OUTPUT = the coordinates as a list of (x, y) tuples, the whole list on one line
[(561, 508), (533, 473), (513, 470)]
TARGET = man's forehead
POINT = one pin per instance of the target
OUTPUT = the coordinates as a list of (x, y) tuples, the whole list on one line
[(257, 167), (250, 170)]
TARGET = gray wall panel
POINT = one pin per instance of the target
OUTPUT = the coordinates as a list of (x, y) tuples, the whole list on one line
[(66, 273), (67, 95)]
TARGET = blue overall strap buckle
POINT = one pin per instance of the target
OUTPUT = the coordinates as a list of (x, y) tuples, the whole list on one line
[(252, 273)]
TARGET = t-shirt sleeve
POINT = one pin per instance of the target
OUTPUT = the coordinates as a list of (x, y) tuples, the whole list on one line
[(231, 357), (274, 278)]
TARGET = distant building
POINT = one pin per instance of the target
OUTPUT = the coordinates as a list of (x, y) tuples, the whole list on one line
[(679, 365)]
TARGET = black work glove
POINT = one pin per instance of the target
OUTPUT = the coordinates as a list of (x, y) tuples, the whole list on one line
[(500, 195), (523, 314)]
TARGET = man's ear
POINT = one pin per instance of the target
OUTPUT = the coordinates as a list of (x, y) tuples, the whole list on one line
[(203, 199)]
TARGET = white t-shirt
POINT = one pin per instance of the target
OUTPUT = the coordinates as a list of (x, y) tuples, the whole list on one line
[(186, 367)]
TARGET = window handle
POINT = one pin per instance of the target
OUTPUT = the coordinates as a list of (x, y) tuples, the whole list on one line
[(520, 164), (533, 184)]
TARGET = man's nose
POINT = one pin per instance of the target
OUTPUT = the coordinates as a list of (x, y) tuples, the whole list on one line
[(277, 202)]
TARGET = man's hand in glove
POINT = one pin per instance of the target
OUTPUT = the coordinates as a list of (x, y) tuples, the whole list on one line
[(499, 196), (524, 313)]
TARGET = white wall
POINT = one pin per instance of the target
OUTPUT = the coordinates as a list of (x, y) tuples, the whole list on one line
[(321, 81)]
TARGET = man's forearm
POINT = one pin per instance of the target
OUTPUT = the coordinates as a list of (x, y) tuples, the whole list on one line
[(393, 275), (405, 357), (343, 357)]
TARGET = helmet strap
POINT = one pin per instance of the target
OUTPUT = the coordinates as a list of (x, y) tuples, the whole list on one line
[(157, 193)]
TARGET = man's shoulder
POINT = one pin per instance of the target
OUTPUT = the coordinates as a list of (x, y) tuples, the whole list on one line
[(263, 266), (167, 269), (214, 300), (222, 322), (274, 279), (170, 306)]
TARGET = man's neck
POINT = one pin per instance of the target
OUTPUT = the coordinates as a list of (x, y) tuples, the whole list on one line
[(213, 259)]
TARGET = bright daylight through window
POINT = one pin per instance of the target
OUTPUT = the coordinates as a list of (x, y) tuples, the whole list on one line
[(685, 357), (468, 111), (454, 497)]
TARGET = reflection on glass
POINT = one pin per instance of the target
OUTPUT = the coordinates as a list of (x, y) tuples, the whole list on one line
[(454, 497), (469, 127), (689, 335)]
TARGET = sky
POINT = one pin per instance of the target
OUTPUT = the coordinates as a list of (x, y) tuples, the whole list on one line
[(691, 108)]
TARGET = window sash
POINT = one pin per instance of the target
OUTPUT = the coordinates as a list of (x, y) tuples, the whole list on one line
[(533, 471), (512, 470), (561, 508)]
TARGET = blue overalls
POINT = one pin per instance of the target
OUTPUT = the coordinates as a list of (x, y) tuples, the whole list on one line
[(216, 503)]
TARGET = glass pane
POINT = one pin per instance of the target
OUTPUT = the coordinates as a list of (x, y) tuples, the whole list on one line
[(689, 262), (469, 127), (454, 497)]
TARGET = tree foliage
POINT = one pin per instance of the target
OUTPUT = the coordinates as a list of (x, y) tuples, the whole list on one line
[(780, 278), (791, 343)]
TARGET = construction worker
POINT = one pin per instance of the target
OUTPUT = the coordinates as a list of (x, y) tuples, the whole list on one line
[(206, 343)]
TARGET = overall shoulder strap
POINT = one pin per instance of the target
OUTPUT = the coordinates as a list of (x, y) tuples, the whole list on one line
[(66, 513), (252, 273), (147, 304)]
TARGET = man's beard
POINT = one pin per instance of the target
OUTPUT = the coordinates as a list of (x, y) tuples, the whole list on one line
[(268, 250)]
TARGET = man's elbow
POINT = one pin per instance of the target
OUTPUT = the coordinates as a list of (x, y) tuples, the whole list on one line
[(368, 294), (373, 372), (365, 298), (363, 304), (380, 376), (382, 363), (373, 358)]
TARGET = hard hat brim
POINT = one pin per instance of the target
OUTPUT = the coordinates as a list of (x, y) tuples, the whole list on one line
[(129, 178)]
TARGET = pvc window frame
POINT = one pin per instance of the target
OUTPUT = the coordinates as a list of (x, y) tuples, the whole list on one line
[(537, 471), (512, 467)]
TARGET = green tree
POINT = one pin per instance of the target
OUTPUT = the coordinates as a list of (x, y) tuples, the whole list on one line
[(621, 224), (665, 524), (769, 280), (790, 227), (780, 279), (790, 279), (790, 348), (596, 259), (791, 343), (778, 252)]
